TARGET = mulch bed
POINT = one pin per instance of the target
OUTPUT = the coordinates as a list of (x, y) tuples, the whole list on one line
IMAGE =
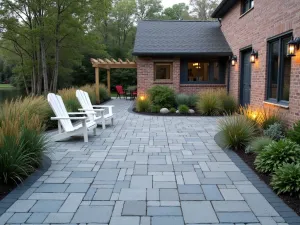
[(6, 189), (292, 202)]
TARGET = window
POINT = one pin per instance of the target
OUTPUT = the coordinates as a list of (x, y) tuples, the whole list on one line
[(279, 70), (163, 71), (194, 71), (247, 5)]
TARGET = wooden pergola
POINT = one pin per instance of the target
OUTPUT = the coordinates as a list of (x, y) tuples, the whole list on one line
[(109, 64)]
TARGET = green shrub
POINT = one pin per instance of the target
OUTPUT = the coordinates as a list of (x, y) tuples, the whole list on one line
[(294, 134), (143, 105), (237, 132), (286, 180), (193, 101), (172, 110), (276, 154), (162, 95), (183, 109), (270, 121), (274, 131), (209, 103), (258, 144), (155, 108), (182, 99)]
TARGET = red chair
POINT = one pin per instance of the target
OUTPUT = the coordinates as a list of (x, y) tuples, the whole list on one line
[(134, 94), (120, 91)]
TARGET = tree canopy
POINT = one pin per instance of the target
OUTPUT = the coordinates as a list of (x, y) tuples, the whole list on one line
[(47, 44)]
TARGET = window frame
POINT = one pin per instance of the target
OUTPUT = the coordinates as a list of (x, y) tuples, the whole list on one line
[(245, 7), (184, 71), (280, 78), (162, 63)]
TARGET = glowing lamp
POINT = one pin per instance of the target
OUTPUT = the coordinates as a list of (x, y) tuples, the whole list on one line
[(254, 56), (292, 46), (233, 60), (254, 115), (142, 98)]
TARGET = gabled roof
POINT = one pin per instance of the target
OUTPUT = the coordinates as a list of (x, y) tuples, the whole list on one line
[(223, 8), (180, 38)]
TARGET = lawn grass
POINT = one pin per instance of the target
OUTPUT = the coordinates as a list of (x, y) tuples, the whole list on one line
[(6, 86)]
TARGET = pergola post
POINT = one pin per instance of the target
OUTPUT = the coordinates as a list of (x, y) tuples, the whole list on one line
[(108, 81), (97, 85)]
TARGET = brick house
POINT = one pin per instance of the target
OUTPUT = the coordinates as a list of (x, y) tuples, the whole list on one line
[(257, 32)]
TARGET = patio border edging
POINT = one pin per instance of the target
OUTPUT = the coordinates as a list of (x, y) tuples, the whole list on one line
[(288, 214), (15, 194)]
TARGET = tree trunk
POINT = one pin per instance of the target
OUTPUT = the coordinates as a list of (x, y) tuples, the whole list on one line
[(56, 67), (39, 78), (44, 66)]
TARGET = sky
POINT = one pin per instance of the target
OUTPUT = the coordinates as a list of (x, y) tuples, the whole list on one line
[(169, 3)]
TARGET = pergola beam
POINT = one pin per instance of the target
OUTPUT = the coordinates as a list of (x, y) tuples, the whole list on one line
[(109, 64)]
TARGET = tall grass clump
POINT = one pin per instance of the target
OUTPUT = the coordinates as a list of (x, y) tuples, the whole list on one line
[(228, 103), (209, 103), (143, 105), (237, 132), (22, 141), (69, 97), (262, 116), (294, 134)]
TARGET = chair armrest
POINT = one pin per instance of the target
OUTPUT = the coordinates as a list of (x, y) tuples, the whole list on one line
[(78, 113), (109, 107), (90, 111), (70, 118), (103, 106)]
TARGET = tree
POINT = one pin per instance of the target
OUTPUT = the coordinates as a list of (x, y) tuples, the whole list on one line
[(177, 12), (204, 8), (148, 9)]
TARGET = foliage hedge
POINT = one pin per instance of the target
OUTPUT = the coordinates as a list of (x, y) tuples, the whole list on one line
[(163, 96)]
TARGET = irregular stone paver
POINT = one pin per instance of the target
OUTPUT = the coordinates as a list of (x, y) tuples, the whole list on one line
[(144, 170)]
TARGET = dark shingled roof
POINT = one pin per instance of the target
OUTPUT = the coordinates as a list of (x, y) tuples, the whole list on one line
[(180, 38)]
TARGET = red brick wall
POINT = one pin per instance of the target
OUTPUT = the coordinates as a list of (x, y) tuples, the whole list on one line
[(268, 18), (145, 77), (145, 74)]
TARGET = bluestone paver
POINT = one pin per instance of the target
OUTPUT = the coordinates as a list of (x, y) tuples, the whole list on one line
[(144, 170)]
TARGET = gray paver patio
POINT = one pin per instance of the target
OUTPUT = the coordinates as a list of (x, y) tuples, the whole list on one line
[(144, 170)]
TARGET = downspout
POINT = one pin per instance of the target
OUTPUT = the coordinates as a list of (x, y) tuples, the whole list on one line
[(228, 79)]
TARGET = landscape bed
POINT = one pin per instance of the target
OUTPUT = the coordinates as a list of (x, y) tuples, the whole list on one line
[(262, 139), (291, 201)]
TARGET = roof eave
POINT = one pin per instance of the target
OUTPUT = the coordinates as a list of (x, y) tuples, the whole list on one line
[(223, 8), (182, 53)]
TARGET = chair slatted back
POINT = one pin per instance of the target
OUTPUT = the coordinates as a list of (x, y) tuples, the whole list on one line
[(59, 109), (119, 89), (84, 100)]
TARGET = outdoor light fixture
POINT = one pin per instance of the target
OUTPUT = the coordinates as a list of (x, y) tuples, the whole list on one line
[(233, 60), (142, 98), (254, 55), (293, 45)]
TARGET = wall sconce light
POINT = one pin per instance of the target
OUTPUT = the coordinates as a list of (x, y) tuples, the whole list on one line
[(254, 56), (233, 60), (293, 45)]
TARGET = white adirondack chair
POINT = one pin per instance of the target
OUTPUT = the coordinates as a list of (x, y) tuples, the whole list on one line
[(97, 113), (65, 127)]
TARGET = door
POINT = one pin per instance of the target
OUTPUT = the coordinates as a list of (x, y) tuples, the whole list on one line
[(245, 77)]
